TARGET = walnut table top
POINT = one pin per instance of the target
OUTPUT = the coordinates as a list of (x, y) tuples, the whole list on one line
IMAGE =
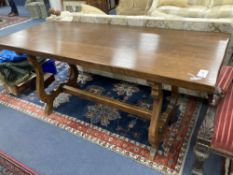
[(157, 55)]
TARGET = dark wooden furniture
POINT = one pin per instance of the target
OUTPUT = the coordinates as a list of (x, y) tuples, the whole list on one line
[(216, 132), (28, 84), (2, 3), (157, 55), (117, 2)]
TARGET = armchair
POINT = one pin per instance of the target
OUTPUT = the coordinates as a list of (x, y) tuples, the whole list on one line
[(216, 132), (37, 8)]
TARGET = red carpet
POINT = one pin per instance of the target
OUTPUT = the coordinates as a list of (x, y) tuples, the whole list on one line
[(6, 21), (10, 166)]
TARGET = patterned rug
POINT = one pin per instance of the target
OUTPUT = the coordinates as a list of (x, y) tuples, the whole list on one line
[(6, 21), (10, 166), (112, 129)]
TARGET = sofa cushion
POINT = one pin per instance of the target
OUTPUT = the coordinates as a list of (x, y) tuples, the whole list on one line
[(193, 6), (192, 11), (125, 4), (221, 2), (142, 4), (205, 3), (225, 11), (129, 4), (131, 12), (88, 9), (131, 7), (160, 14), (177, 3)]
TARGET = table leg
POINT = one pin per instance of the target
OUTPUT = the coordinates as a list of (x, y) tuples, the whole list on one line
[(73, 75), (153, 134), (48, 98), (171, 109), (157, 124)]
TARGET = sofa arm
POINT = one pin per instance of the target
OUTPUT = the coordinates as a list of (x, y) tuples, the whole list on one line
[(225, 78), (224, 83)]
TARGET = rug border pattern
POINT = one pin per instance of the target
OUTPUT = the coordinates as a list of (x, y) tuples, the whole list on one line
[(36, 111), (17, 163), (21, 21)]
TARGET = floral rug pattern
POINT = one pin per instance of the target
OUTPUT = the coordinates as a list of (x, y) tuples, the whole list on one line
[(113, 129)]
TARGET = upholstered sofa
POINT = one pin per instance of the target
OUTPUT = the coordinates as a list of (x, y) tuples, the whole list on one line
[(37, 8), (177, 8)]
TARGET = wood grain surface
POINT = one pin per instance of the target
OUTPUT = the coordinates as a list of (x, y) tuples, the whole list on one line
[(157, 55)]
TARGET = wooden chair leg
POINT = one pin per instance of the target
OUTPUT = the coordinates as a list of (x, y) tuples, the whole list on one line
[(201, 151), (231, 169), (202, 147)]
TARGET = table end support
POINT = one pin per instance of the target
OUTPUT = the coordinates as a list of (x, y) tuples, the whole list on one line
[(48, 98), (153, 134)]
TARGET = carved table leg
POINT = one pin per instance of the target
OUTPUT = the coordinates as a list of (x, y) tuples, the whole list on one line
[(201, 151), (158, 123), (48, 98), (153, 134), (40, 87), (231, 165)]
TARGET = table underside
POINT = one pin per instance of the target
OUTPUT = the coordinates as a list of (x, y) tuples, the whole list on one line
[(157, 123)]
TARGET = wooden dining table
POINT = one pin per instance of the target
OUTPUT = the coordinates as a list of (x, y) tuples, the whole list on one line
[(177, 58)]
